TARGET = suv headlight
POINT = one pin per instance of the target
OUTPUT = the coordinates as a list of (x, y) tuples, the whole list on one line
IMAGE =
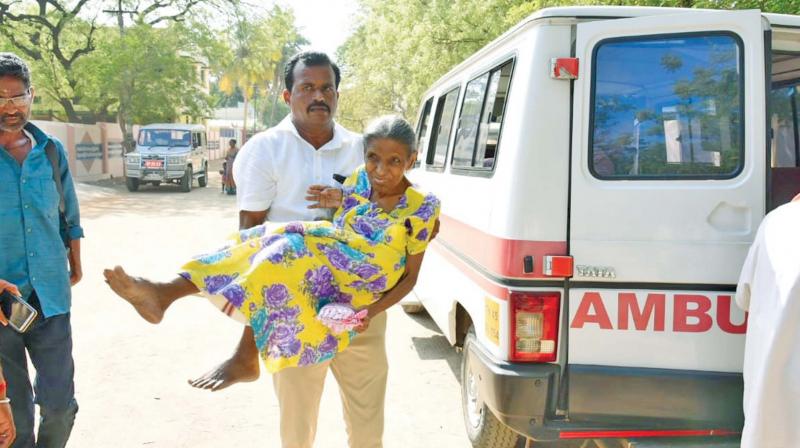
[(176, 160)]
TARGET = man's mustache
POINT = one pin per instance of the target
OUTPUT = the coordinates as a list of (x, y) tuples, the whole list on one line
[(18, 115), (318, 104)]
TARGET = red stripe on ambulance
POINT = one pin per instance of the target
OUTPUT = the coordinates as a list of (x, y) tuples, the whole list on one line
[(691, 313), (503, 257)]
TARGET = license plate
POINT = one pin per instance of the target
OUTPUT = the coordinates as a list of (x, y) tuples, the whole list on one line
[(153, 163)]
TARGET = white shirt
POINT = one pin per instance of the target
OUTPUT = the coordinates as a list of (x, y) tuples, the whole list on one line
[(769, 289), (274, 169)]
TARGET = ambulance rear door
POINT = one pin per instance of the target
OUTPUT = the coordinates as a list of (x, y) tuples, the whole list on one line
[(666, 194)]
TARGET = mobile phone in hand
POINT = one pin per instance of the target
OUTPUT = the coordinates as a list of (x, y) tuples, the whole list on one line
[(20, 314)]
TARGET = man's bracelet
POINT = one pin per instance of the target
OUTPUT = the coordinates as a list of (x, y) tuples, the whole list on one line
[(5, 400)]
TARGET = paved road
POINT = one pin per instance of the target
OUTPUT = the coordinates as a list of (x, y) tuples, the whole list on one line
[(131, 376)]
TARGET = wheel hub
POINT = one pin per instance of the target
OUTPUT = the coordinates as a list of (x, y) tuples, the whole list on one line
[(473, 405)]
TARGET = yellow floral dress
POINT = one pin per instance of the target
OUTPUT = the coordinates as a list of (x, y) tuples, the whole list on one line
[(278, 281)]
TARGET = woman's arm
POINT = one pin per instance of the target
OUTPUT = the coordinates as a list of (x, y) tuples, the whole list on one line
[(401, 289)]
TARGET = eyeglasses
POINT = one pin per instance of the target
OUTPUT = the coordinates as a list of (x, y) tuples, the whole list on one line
[(17, 101)]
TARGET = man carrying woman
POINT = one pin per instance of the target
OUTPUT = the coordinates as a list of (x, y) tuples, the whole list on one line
[(276, 282)]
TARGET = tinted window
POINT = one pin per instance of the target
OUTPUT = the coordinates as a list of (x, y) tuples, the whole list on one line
[(667, 108), (784, 120), (469, 121), (442, 125), (422, 129)]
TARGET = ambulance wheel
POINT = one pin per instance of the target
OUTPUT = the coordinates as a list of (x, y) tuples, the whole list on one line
[(186, 180), (132, 183), (484, 430), (203, 180)]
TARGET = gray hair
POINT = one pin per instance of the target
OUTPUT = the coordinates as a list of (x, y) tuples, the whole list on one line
[(392, 127), (12, 65)]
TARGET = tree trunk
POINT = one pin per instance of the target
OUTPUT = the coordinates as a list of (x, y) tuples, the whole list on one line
[(277, 90), (128, 142), (272, 109), (244, 120), (69, 110)]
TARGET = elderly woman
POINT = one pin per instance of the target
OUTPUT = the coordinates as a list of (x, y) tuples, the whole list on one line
[(368, 258)]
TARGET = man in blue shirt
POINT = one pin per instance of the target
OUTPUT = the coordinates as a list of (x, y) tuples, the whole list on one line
[(33, 257)]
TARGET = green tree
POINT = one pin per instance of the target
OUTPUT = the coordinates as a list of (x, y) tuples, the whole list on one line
[(257, 49), (400, 47), (54, 36), (153, 64)]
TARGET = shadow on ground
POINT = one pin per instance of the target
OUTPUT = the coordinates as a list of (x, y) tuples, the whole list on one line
[(110, 197), (424, 319)]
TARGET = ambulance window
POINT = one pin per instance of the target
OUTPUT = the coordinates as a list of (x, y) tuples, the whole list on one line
[(422, 130), (667, 107), (442, 125), (469, 122), (492, 117), (481, 119), (785, 105)]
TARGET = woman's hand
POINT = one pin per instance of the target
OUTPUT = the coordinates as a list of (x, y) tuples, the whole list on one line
[(324, 196)]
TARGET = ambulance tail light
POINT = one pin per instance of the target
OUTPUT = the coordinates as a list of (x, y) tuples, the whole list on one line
[(534, 326)]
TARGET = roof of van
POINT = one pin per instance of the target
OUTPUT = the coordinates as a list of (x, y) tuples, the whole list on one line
[(638, 11), (600, 12), (178, 126)]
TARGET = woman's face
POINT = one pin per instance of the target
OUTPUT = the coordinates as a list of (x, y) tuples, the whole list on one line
[(386, 162)]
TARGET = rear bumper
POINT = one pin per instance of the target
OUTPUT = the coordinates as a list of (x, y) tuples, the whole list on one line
[(521, 396), (638, 405), (673, 398)]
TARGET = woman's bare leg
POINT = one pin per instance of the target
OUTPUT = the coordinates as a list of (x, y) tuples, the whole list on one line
[(150, 299), (241, 367)]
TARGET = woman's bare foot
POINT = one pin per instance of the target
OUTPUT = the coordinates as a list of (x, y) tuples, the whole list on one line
[(234, 370), (143, 294)]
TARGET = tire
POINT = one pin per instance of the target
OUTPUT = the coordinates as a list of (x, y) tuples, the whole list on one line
[(483, 428), (203, 180), (132, 183), (186, 180), (156, 183)]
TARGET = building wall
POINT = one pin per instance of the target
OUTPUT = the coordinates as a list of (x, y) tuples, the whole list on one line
[(95, 151)]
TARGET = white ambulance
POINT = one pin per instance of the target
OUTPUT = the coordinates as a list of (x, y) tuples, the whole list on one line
[(603, 171)]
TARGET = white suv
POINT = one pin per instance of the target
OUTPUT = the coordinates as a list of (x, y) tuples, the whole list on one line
[(175, 153)]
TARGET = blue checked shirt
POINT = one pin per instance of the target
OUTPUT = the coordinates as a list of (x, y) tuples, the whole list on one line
[(32, 254)]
